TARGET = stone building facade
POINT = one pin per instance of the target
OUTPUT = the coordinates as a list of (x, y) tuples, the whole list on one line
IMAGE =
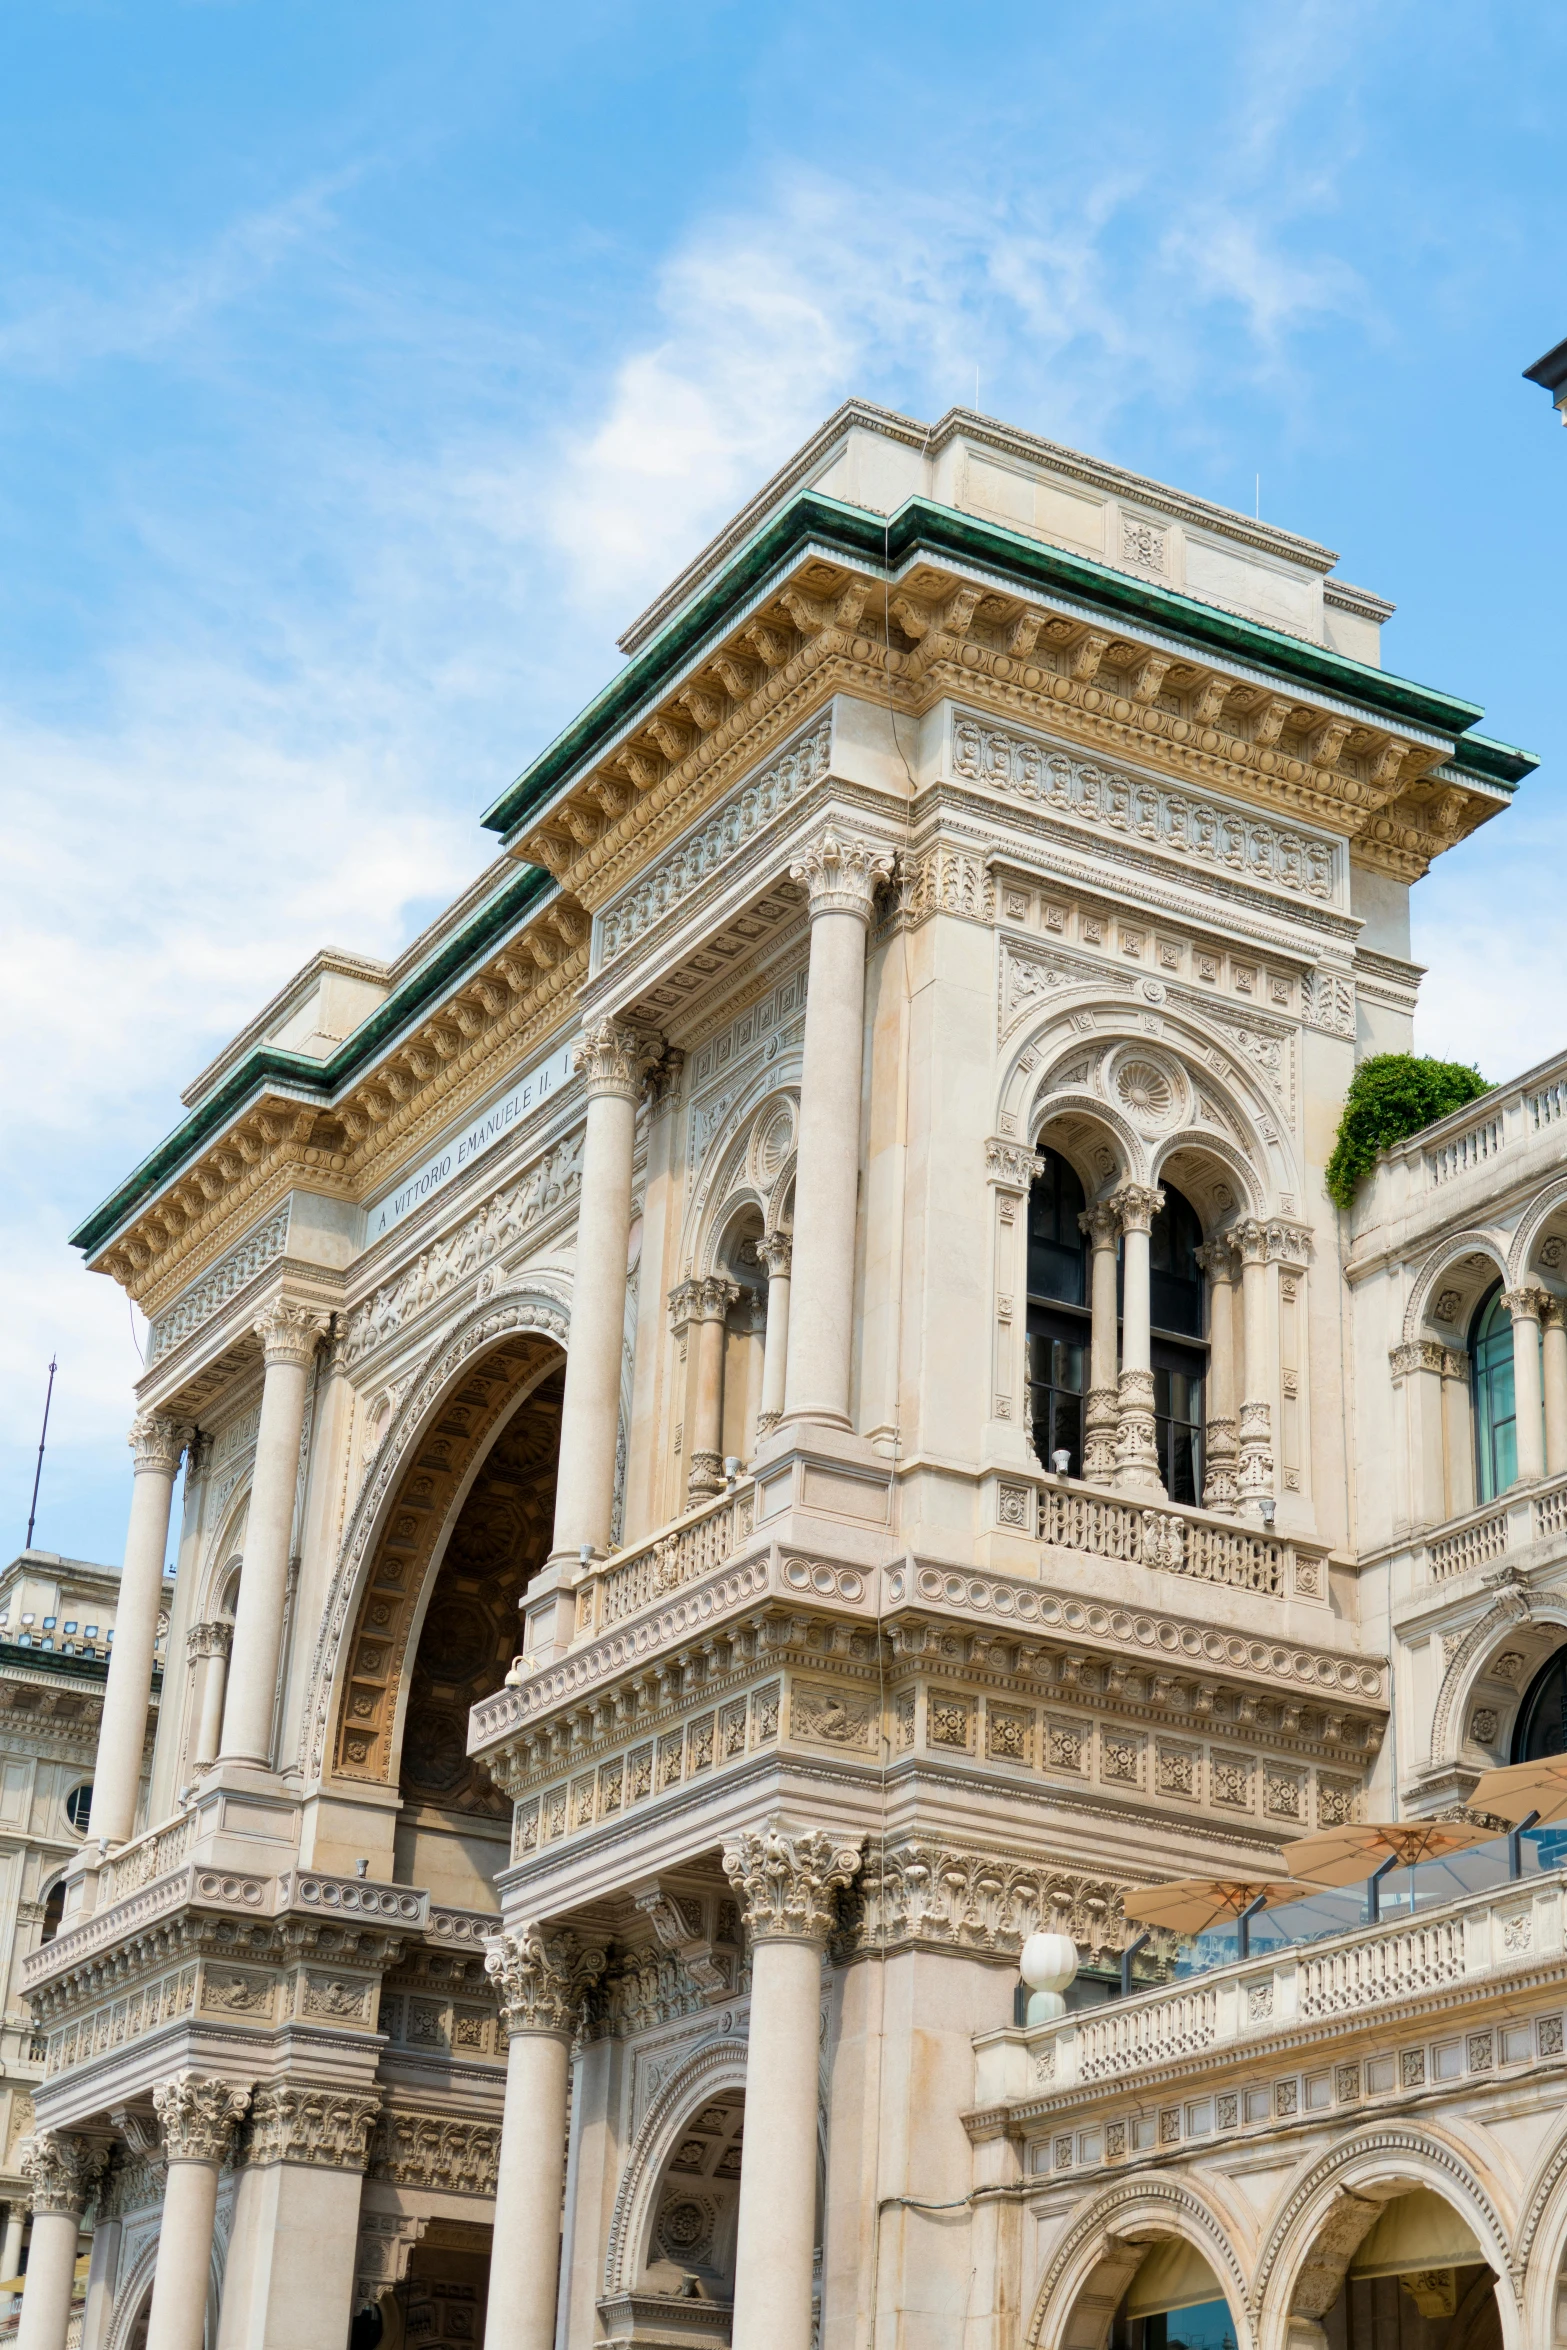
[(828, 1237)]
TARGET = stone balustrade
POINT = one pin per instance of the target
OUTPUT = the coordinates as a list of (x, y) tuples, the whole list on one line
[(1481, 1537), (634, 1578), (151, 1855), (1175, 1539)]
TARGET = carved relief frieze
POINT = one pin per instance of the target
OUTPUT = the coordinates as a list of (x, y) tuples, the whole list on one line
[(418, 2148), (226, 1278)]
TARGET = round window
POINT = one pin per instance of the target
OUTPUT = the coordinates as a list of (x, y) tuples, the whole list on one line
[(78, 1807)]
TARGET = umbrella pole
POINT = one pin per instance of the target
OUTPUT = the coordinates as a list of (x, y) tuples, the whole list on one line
[(1374, 1890), (1515, 1838), (1127, 1956), (1243, 1925)]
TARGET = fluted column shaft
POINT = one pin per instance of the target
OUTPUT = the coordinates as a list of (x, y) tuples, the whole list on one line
[(612, 1062), (776, 1253), (1526, 1307), (541, 1978), (711, 1314), (1136, 1456), (1221, 1436), (787, 1881), (157, 1445), (1553, 1339), (196, 2118), (59, 2170), (289, 1335), (841, 875), (1102, 1412)]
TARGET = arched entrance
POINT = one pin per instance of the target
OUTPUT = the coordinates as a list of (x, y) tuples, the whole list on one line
[(1395, 2267)]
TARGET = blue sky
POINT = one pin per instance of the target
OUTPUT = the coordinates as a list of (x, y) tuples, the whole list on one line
[(364, 368)]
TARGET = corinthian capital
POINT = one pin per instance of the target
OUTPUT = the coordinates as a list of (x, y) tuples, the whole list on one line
[(156, 1443), (1137, 1204), (775, 1254), (542, 1977), (214, 1639), (1251, 1241), (197, 2117), (290, 1333), (841, 873), (1217, 1258), (1527, 1304), (787, 1880), (614, 1059), (60, 2170)]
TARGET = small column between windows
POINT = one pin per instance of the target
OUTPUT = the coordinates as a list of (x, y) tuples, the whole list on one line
[(1526, 1309), (1256, 1479), (1136, 1453), (710, 1311), (1102, 1416), (1221, 1438), (776, 1254), (1553, 1346)]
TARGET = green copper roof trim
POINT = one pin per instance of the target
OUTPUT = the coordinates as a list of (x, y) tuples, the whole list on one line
[(1493, 762), (921, 526), (323, 1079)]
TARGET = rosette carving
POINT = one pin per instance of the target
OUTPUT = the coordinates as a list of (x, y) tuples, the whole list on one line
[(542, 1978), (787, 1880)]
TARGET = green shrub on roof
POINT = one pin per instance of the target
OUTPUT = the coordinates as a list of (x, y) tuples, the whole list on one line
[(1391, 1096)]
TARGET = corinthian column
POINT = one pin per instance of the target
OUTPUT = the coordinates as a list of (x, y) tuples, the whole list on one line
[(1527, 1306), (157, 1445), (1136, 1456), (289, 1336), (612, 1062), (541, 1975), (197, 2119), (209, 1644), (59, 2170), (786, 1879), (1102, 1414), (775, 1253), (1553, 1342), (1256, 1414), (710, 1312), (1221, 1436), (841, 876)]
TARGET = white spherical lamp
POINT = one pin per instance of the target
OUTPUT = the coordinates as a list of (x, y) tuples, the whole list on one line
[(1049, 1967)]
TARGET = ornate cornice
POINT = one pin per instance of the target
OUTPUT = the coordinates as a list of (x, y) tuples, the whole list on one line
[(542, 1977), (197, 2118), (312, 2124), (787, 1880)]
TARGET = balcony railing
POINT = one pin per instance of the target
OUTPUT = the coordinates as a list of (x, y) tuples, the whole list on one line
[(1373, 1970), (633, 1579), (1519, 1517)]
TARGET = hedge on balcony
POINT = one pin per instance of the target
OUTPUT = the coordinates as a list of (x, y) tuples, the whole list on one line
[(1391, 1096)]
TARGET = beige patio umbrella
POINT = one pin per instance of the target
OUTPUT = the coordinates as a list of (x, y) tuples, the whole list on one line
[(1192, 1905), (1539, 1787), (1348, 1856)]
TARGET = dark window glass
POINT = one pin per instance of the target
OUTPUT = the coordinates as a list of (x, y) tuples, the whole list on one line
[(1495, 1408), (1178, 1376), (1057, 1384), (1057, 1250), (1175, 1284), (54, 1910), (1542, 1717), (78, 1808), (1208, 2327)]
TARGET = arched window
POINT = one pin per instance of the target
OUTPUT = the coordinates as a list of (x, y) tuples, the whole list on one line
[(1495, 1413), (54, 1910), (1058, 1326), (1175, 1299), (1541, 1727)]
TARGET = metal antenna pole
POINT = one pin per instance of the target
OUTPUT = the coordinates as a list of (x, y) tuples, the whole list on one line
[(43, 1438)]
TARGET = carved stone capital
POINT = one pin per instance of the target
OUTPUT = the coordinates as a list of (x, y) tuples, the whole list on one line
[(542, 1977), (1100, 1224), (679, 1925), (787, 1880), (717, 1295), (290, 1332), (776, 1254), (157, 1444), (1526, 1304), (611, 1058), (1553, 1314), (60, 2170), (1421, 1354), (841, 874), (1219, 1260), (1011, 1166), (197, 2117), (313, 2124), (1136, 1205), (214, 1639)]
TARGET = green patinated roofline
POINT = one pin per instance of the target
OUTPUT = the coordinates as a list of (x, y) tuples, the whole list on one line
[(269, 1065), (922, 527)]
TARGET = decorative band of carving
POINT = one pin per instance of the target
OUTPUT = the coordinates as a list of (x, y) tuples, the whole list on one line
[(311, 2124), (787, 1881)]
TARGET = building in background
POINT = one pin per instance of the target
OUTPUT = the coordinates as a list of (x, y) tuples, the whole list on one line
[(56, 1632), (1550, 373), (780, 1405)]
